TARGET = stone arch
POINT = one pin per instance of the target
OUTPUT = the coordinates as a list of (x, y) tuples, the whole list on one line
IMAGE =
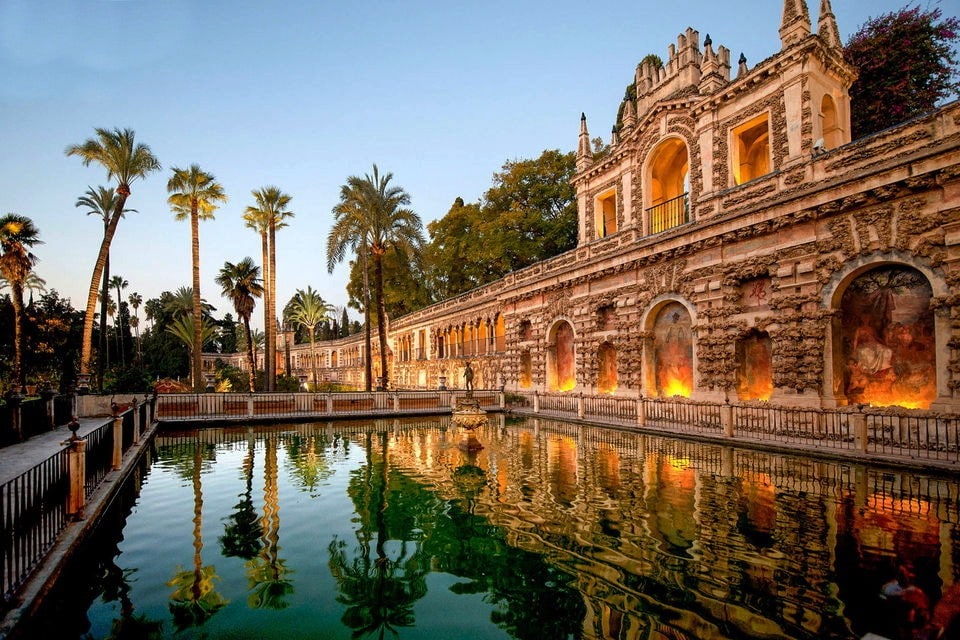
[(830, 130), (754, 366), (607, 368), (669, 359), (667, 177), (886, 346), (526, 369), (561, 356)]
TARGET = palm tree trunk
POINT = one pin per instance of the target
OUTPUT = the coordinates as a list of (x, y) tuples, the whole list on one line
[(197, 319), (103, 362), (313, 359), (16, 298), (86, 348), (250, 355), (272, 331), (368, 362), (119, 328), (381, 316), (267, 357)]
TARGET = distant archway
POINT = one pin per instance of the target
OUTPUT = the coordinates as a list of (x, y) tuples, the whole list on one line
[(561, 375), (673, 351), (754, 370), (607, 368), (886, 352)]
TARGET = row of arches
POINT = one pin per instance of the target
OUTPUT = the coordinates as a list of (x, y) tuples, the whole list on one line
[(476, 338), (881, 342)]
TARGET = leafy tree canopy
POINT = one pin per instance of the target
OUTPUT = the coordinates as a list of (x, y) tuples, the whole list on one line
[(906, 64)]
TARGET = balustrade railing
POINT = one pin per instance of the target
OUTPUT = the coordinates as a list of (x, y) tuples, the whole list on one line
[(669, 214)]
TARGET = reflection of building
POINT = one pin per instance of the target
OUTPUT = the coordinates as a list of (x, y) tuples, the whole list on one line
[(735, 198)]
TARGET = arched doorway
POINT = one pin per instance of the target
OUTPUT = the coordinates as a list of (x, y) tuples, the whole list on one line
[(673, 351), (607, 368), (754, 371), (560, 358), (886, 352), (669, 168)]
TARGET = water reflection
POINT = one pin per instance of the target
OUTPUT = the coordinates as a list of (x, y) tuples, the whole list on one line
[(550, 531)]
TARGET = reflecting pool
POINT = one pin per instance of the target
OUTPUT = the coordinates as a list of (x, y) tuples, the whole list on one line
[(388, 528)]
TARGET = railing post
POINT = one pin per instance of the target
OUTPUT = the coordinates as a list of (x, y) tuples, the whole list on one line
[(641, 412), (726, 419), (536, 401), (502, 399), (117, 441), (136, 421), (580, 409), (329, 404), (858, 424), (396, 401), (249, 405), (76, 472)]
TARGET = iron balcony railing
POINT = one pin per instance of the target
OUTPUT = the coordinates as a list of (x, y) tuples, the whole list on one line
[(669, 214)]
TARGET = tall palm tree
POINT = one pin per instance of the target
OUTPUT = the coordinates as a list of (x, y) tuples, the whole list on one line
[(101, 202), (308, 309), (241, 283), (183, 328), (195, 194), (119, 283), (126, 161), (17, 235), (180, 302), (135, 300), (265, 217), (378, 211)]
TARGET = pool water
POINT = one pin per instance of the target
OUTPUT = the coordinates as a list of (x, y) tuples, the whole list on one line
[(391, 529)]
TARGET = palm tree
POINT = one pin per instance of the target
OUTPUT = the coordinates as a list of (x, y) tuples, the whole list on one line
[(101, 202), (17, 235), (266, 217), (195, 194), (183, 328), (241, 283), (180, 302), (135, 300), (372, 214), (308, 309), (119, 283), (126, 161)]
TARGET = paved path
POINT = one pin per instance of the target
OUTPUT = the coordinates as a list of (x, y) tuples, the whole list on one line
[(19, 458)]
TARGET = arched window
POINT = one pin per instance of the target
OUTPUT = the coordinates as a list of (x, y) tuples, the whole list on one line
[(751, 150), (500, 333), (754, 371), (668, 186), (887, 343), (526, 370), (829, 124)]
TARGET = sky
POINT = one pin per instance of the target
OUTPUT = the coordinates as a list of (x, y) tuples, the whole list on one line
[(303, 94)]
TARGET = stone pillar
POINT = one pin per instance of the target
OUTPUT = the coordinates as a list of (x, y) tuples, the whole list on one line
[(858, 425), (396, 402), (136, 420), (536, 402), (641, 412), (250, 405), (117, 441), (726, 420), (580, 407), (76, 473)]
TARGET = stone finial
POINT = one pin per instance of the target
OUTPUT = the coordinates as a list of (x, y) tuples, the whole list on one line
[(584, 152), (827, 26), (742, 66), (794, 23), (614, 136), (629, 113)]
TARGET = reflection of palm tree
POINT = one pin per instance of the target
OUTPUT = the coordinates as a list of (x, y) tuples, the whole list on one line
[(380, 592), (267, 574), (309, 460), (241, 535), (194, 599)]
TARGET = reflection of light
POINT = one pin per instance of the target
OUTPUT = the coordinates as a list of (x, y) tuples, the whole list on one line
[(680, 464), (566, 385)]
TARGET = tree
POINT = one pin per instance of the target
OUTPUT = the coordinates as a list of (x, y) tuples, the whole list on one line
[(126, 161), (308, 309), (119, 283), (101, 202), (265, 217), (18, 235), (376, 209), (906, 64), (195, 194), (183, 328), (241, 283), (135, 300)]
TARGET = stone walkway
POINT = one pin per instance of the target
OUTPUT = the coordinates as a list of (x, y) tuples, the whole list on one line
[(16, 459)]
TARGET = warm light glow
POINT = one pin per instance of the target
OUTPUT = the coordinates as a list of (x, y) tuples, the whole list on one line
[(880, 397), (676, 387)]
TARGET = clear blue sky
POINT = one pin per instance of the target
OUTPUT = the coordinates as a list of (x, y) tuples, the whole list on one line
[(303, 94)]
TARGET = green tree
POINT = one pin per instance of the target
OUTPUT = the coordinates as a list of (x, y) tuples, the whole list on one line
[(241, 283), (906, 63), (265, 217), (195, 195), (183, 327), (18, 235), (404, 284), (380, 212), (455, 254), (125, 161), (135, 300), (102, 202), (308, 310)]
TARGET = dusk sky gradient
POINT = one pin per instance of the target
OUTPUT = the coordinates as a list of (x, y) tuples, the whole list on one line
[(303, 94)]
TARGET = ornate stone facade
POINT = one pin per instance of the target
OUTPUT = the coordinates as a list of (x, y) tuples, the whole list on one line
[(742, 203)]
